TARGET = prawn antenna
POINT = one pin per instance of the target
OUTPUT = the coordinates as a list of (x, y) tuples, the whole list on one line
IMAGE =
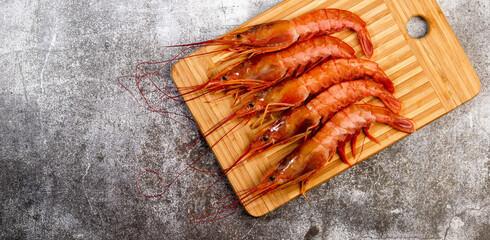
[(185, 169), (230, 204)]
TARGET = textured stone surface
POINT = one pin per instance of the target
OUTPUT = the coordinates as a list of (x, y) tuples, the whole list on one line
[(72, 141)]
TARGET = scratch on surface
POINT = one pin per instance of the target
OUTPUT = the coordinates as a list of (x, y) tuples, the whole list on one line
[(83, 187), (51, 44), (250, 229), (24, 86)]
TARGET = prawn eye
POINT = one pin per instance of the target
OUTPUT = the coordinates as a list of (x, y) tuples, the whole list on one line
[(251, 105), (265, 138), (272, 178), (224, 78), (238, 36)]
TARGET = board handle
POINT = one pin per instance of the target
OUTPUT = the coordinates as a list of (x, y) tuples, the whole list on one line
[(443, 59)]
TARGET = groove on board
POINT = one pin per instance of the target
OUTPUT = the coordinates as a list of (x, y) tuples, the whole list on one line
[(432, 76)]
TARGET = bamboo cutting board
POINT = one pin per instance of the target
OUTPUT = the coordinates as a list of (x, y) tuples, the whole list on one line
[(432, 76)]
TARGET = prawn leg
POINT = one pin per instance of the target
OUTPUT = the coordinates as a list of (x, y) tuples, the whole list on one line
[(369, 135)]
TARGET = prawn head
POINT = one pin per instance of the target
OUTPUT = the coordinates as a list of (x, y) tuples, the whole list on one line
[(262, 38)]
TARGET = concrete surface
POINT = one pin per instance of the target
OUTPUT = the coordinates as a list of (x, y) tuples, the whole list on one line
[(72, 141)]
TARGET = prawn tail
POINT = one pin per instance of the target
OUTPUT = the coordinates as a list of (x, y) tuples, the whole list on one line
[(394, 120), (392, 103), (381, 78), (365, 41), (402, 123)]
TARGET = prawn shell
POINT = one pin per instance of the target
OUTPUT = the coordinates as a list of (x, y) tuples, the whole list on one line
[(309, 157)]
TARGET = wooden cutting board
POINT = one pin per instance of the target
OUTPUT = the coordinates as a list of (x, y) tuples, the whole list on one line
[(432, 76)]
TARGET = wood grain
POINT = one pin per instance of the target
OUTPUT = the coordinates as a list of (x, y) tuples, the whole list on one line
[(432, 76)]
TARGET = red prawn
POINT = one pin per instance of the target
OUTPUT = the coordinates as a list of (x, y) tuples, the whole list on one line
[(280, 34), (294, 92), (264, 70), (299, 122), (301, 165)]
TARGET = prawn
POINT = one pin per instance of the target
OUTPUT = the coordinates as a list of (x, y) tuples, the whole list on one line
[(269, 68), (308, 158), (294, 92), (299, 122), (280, 34), (262, 38)]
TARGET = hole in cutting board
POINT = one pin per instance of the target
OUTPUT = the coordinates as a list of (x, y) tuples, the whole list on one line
[(417, 27)]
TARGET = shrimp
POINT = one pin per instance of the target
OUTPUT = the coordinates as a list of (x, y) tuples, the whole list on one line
[(294, 92), (277, 35), (273, 67), (313, 154), (308, 158), (298, 122)]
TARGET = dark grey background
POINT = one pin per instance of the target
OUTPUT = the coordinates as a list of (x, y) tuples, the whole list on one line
[(72, 141)]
